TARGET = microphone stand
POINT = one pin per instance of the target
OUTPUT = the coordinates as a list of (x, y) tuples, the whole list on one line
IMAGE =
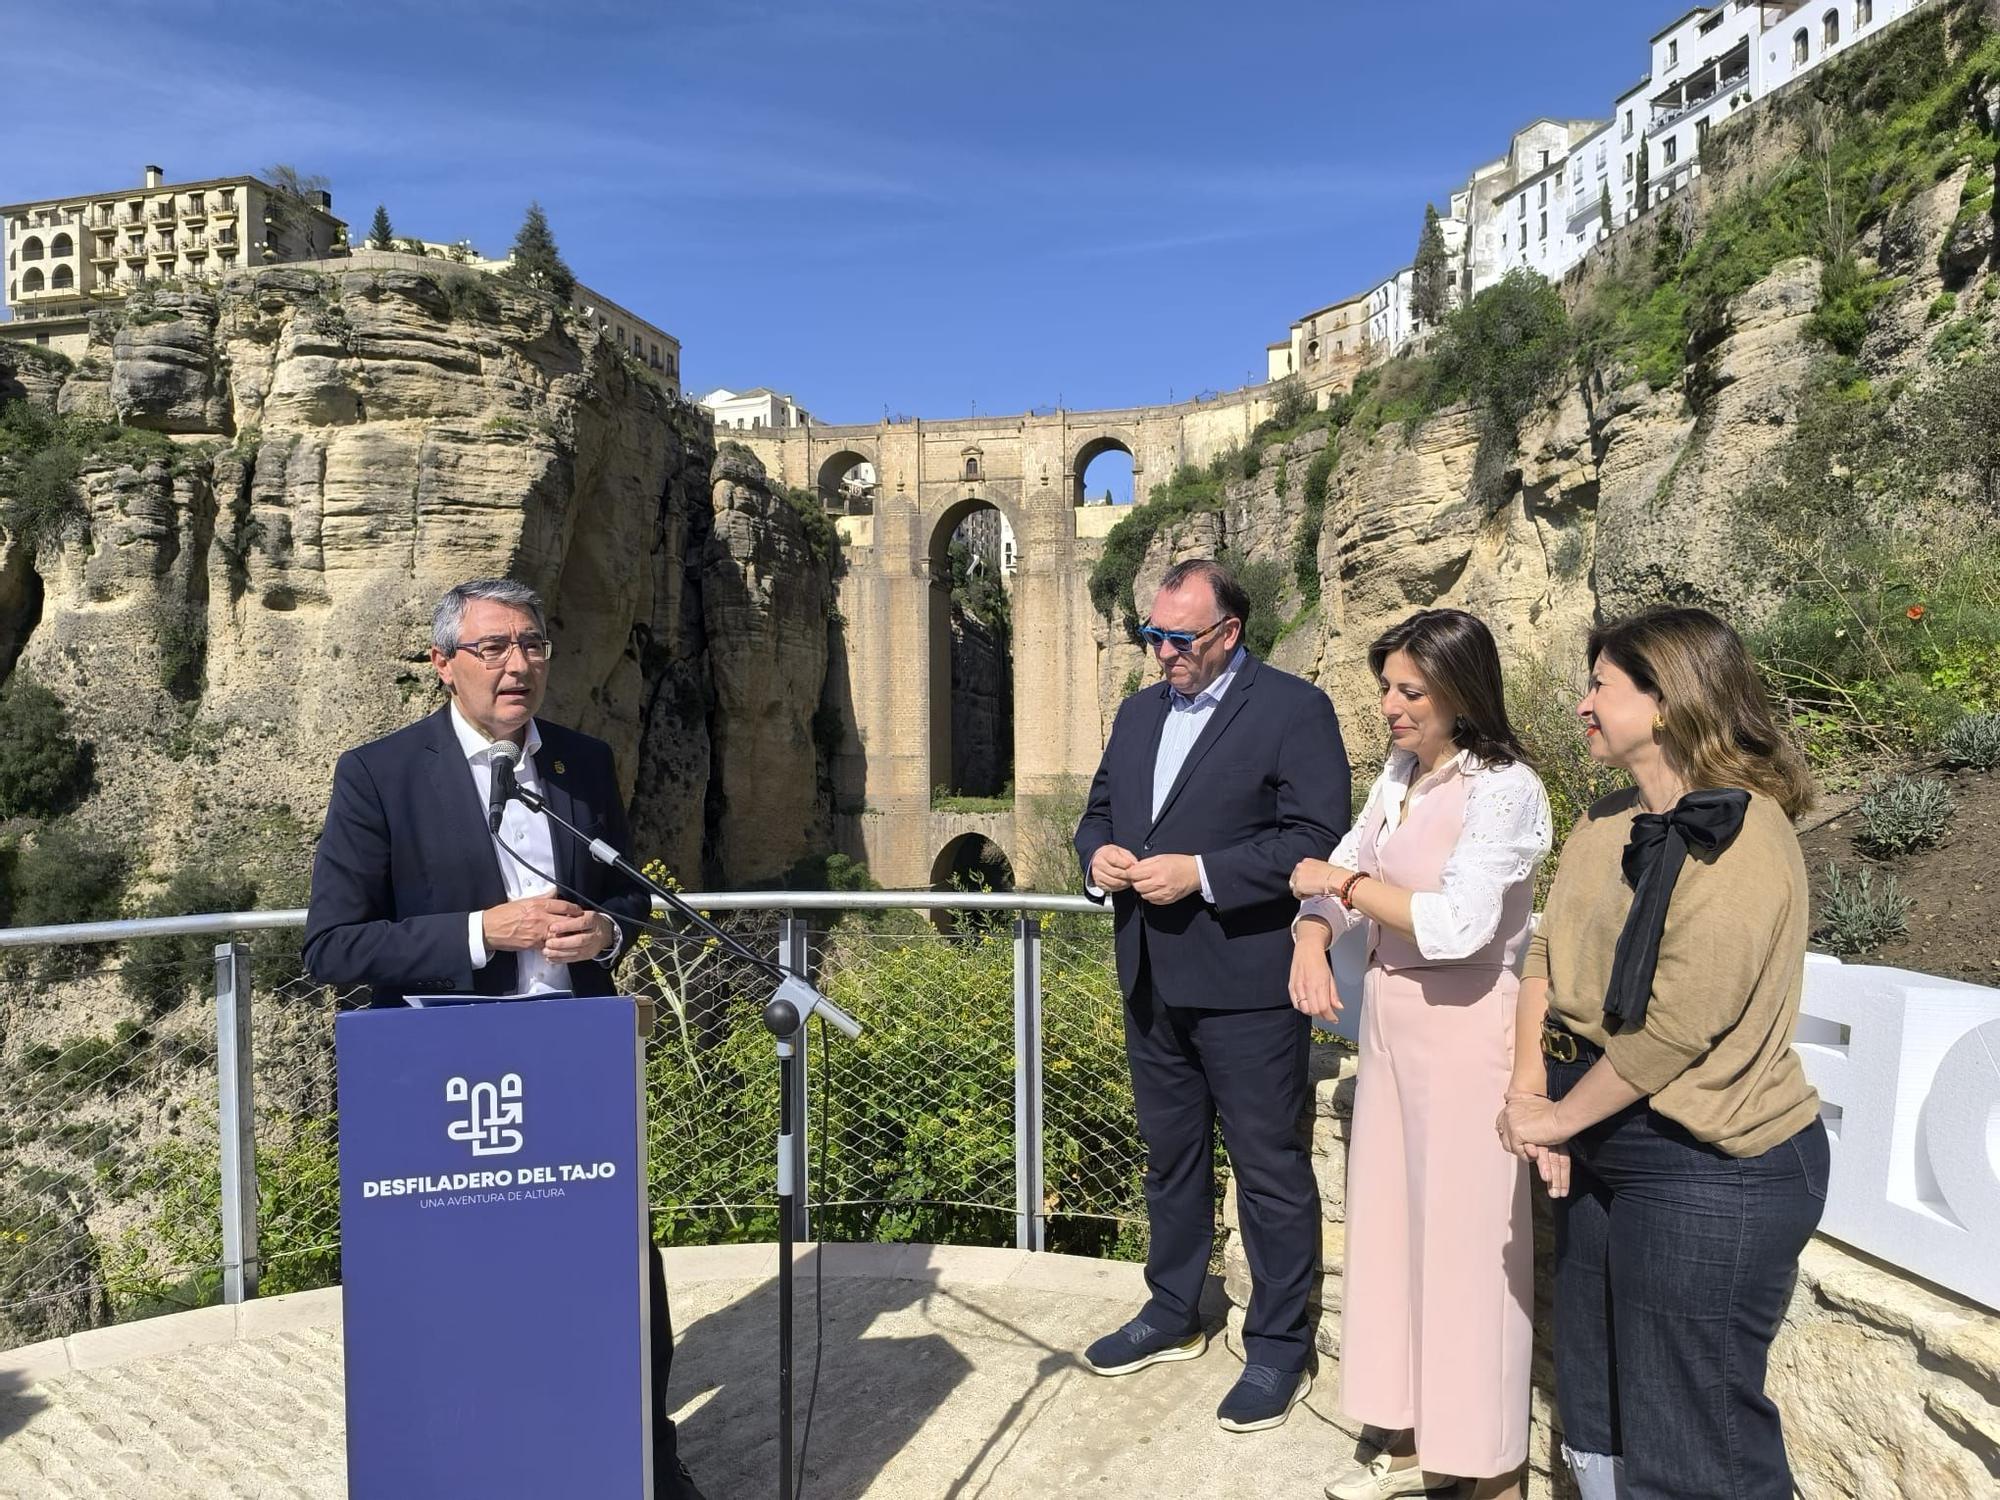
[(797, 1000)]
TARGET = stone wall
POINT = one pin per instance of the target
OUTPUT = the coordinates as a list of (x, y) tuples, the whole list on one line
[(1889, 1388)]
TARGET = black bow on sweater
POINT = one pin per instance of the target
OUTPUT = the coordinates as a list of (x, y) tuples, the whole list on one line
[(1653, 860)]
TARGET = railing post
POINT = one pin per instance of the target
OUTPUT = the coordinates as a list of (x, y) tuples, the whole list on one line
[(795, 953), (236, 1121), (1029, 1224)]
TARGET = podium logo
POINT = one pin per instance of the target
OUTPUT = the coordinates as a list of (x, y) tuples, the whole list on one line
[(493, 1114)]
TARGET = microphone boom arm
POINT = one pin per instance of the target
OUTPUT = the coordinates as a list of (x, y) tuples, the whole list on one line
[(794, 989)]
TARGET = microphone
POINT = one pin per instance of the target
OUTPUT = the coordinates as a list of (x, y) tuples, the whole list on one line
[(506, 755)]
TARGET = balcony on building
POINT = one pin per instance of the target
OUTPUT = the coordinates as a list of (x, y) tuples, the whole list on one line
[(1715, 79)]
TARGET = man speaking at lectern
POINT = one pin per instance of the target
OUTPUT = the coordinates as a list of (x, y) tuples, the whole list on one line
[(410, 894)]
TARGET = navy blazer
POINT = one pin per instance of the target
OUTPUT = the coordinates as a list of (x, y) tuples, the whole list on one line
[(1265, 786), (406, 857)]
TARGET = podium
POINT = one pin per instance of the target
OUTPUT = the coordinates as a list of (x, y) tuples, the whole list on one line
[(493, 1210)]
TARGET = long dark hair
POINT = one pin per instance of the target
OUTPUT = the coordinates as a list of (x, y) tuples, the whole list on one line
[(1718, 727), (1461, 667)]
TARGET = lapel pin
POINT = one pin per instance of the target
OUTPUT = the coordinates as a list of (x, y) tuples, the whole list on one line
[(557, 768)]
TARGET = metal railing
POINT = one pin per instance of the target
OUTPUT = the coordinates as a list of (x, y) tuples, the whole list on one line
[(169, 1125)]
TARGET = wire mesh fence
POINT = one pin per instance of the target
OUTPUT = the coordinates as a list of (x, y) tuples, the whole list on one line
[(104, 1137), (111, 1196)]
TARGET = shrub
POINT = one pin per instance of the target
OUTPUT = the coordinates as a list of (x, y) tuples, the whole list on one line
[(1264, 581), (46, 508), (1190, 491), (1973, 742), (298, 1216), (65, 876), (1861, 914), (48, 1260), (164, 973), (43, 767), (1504, 350), (1957, 338), (1541, 704), (1910, 812), (820, 533), (469, 296), (102, 1065), (1305, 550), (1943, 305), (1293, 405), (1847, 298)]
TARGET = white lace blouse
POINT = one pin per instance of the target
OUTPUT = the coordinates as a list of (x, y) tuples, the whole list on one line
[(1507, 832)]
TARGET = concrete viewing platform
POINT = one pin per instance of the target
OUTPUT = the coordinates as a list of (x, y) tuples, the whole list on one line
[(948, 1374)]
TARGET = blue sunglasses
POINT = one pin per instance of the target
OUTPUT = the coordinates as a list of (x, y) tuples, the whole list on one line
[(1181, 640)]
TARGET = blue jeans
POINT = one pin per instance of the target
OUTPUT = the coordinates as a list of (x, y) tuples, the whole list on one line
[(1674, 1267)]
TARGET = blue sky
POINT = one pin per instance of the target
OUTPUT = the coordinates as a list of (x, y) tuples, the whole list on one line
[(923, 205)]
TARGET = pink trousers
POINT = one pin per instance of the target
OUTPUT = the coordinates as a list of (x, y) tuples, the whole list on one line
[(1437, 1322)]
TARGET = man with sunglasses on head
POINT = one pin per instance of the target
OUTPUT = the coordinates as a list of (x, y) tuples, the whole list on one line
[(1215, 782), (410, 894)]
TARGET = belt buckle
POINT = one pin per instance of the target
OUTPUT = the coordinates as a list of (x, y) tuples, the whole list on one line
[(1559, 1045)]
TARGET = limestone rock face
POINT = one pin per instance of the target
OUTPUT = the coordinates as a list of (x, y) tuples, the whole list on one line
[(256, 598), (765, 603), (23, 377), (164, 371)]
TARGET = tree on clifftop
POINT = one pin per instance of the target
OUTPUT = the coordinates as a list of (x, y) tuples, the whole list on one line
[(536, 260), (381, 236), (294, 195), (1604, 204), (1430, 283)]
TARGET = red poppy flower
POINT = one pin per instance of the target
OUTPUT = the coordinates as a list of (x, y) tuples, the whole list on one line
[(1915, 611)]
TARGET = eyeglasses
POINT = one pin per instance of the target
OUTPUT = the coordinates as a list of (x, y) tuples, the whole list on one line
[(1181, 640), (494, 650)]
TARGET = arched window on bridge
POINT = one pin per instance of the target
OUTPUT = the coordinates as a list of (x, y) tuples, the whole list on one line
[(1104, 473), (846, 483)]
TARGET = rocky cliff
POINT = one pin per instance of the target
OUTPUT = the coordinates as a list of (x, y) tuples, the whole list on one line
[(228, 606), (1625, 486)]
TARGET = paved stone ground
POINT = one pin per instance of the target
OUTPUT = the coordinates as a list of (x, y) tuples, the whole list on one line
[(947, 1374)]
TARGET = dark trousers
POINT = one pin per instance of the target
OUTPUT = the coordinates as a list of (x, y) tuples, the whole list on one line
[(666, 1455), (1674, 1267), (1247, 1067)]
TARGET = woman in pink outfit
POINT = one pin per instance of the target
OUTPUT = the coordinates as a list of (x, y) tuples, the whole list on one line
[(1436, 1307)]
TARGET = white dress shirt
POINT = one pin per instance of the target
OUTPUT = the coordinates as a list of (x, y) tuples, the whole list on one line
[(1505, 835), (530, 836), (1186, 718)]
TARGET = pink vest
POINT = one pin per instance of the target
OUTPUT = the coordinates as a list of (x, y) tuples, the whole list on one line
[(1413, 857)]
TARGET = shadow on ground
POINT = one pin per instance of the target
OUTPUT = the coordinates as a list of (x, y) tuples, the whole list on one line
[(18, 1404)]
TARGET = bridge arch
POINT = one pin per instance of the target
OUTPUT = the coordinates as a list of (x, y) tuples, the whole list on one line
[(971, 558), (1092, 450), (836, 480)]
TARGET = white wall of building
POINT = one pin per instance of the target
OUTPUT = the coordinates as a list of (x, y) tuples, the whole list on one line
[(750, 410)]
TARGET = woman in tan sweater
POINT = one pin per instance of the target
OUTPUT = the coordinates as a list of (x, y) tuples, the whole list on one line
[(1655, 1084)]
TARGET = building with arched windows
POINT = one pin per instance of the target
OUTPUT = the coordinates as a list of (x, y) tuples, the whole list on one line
[(68, 255)]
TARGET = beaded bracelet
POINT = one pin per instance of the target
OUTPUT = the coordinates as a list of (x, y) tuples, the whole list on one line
[(1347, 888)]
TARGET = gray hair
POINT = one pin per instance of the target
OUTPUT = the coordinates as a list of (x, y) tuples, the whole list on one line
[(450, 613)]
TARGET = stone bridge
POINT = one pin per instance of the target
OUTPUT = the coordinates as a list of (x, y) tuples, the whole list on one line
[(895, 599)]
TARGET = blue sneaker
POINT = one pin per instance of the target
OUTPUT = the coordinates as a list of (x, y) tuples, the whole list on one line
[(1263, 1396), (1139, 1344)]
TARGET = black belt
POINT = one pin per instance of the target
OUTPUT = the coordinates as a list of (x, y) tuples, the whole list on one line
[(1560, 1044)]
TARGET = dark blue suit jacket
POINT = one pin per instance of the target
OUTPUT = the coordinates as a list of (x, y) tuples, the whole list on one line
[(1265, 786), (405, 858)]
